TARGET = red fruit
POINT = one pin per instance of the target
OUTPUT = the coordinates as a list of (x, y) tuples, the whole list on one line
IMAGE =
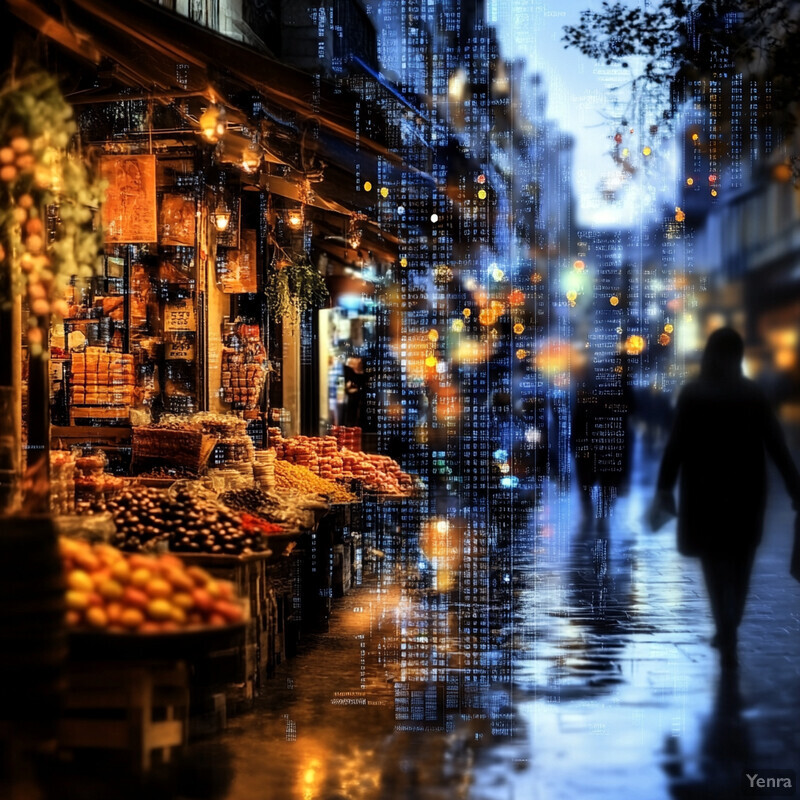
[(203, 600), (230, 611), (134, 597)]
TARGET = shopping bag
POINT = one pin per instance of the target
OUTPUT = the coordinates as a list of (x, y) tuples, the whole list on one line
[(794, 567), (662, 510)]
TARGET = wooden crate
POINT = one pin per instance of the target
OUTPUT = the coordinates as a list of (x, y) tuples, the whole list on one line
[(248, 573), (140, 708), (185, 448)]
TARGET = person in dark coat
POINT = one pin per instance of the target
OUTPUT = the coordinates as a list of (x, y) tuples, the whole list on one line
[(601, 442), (723, 427)]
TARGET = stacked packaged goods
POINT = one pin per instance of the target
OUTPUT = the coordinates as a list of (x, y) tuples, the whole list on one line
[(102, 379), (320, 456), (349, 438), (264, 468), (378, 473), (62, 481)]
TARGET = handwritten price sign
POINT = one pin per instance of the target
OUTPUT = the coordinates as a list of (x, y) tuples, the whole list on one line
[(180, 316)]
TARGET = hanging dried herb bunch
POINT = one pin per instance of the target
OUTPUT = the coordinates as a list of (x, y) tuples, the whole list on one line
[(295, 286)]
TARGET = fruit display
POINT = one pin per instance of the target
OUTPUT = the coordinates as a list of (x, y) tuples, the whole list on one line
[(321, 456), (186, 520), (99, 378), (292, 513), (109, 590), (378, 473), (293, 478), (165, 472)]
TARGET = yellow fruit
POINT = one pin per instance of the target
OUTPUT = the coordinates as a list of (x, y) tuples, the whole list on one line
[(140, 577), (131, 618), (158, 587), (86, 559), (97, 617), (114, 611), (178, 615), (110, 589), (183, 600), (80, 581), (198, 575), (8, 173), (6, 155), (159, 609), (68, 547), (77, 601), (179, 580), (108, 554), (212, 587), (120, 571)]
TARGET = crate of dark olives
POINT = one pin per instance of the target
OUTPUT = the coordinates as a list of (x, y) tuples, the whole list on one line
[(187, 518)]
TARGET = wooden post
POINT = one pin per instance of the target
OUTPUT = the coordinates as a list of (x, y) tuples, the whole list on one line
[(37, 472)]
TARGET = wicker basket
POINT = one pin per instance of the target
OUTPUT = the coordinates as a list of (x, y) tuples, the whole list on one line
[(183, 448)]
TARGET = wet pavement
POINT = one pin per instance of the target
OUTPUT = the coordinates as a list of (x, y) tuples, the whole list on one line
[(591, 676)]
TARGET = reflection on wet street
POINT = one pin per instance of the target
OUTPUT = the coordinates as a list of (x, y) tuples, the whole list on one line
[(580, 668)]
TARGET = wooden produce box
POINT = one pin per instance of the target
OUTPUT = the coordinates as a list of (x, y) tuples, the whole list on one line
[(185, 448), (256, 663), (140, 709)]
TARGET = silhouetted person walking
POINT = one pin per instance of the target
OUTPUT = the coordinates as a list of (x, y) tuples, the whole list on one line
[(601, 442), (723, 426)]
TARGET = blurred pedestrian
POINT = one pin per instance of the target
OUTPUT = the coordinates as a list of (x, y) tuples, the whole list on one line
[(723, 425), (355, 384), (601, 443)]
